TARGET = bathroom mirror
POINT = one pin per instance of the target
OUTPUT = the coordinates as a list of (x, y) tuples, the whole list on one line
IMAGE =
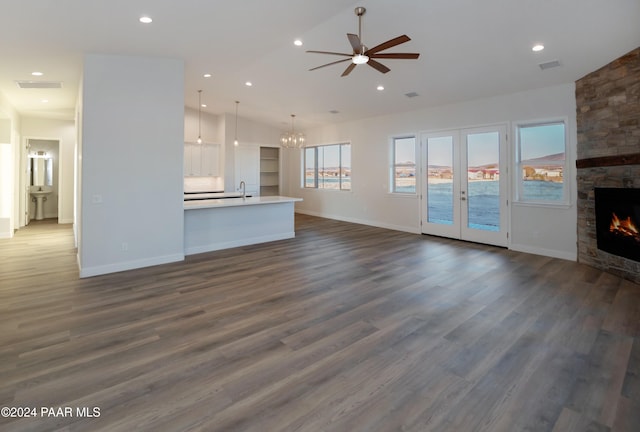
[(41, 171)]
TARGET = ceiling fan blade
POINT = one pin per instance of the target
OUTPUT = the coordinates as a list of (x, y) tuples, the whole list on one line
[(388, 44), (355, 42), (378, 66), (408, 56), (330, 52), (329, 64), (348, 70)]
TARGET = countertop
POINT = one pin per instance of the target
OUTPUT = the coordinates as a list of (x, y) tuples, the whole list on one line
[(237, 202), (188, 196)]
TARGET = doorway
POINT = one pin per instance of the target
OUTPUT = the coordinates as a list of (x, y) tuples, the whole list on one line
[(466, 184), (42, 185)]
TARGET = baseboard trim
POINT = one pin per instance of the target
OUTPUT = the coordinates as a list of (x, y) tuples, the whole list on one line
[(5, 228), (237, 243), (128, 265), (569, 256), (412, 230)]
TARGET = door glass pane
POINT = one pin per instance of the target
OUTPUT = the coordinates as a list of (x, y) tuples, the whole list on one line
[(483, 174), (440, 180)]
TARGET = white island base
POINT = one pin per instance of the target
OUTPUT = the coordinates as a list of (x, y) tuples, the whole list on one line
[(216, 224)]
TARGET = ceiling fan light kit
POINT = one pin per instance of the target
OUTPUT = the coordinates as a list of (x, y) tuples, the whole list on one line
[(359, 59), (363, 55)]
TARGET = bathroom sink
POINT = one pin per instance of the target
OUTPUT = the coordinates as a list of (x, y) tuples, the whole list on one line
[(38, 194)]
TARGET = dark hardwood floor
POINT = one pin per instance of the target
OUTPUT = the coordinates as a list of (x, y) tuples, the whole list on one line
[(344, 328)]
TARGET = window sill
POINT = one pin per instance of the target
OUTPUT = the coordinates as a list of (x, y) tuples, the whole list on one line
[(326, 189), (560, 205), (403, 195)]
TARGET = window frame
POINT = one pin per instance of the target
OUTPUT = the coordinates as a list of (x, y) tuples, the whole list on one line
[(564, 200), (393, 165), (316, 182)]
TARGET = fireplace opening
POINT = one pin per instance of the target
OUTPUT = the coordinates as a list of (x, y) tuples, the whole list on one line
[(618, 221)]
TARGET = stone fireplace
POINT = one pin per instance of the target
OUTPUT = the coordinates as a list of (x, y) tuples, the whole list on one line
[(618, 221), (608, 163)]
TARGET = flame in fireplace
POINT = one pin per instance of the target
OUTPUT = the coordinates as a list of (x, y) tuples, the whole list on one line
[(624, 227)]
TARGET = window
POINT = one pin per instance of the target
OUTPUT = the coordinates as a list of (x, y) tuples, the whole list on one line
[(403, 175), (328, 167), (541, 163)]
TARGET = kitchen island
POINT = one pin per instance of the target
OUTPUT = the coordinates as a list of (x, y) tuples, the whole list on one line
[(222, 223)]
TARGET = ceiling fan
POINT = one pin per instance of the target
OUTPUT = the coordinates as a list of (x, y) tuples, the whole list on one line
[(361, 54)]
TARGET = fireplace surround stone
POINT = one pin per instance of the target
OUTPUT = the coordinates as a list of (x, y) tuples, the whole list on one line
[(608, 151)]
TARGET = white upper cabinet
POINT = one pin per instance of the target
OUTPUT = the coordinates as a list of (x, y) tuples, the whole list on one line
[(201, 160), (210, 160)]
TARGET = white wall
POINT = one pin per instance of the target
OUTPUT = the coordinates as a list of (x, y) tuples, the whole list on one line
[(9, 161), (208, 126), (542, 230), (131, 155), (250, 134), (64, 132), (6, 178)]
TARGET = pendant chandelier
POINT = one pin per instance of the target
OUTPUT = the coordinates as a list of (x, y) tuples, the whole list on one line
[(292, 139), (235, 140)]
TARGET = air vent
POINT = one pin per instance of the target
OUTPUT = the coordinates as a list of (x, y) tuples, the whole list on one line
[(411, 94), (549, 65), (39, 84)]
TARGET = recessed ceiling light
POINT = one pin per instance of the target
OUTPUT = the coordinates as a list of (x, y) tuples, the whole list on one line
[(537, 47), (297, 42), (248, 83), (37, 73), (380, 88), (203, 105), (207, 75), (146, 20), (45, 100)]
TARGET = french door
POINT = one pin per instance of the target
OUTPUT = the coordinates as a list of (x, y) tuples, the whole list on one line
[(465, 184)]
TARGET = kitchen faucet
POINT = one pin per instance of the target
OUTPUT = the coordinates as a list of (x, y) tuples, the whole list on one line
[(244, 191)]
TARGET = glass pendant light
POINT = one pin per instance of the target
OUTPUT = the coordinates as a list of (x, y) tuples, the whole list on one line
[(292, 139), (199, 140), (235, 141)]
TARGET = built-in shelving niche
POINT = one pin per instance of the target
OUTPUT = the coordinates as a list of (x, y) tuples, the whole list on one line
[(269, 171)]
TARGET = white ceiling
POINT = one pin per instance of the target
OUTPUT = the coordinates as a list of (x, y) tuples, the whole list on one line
[(469, 49)]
